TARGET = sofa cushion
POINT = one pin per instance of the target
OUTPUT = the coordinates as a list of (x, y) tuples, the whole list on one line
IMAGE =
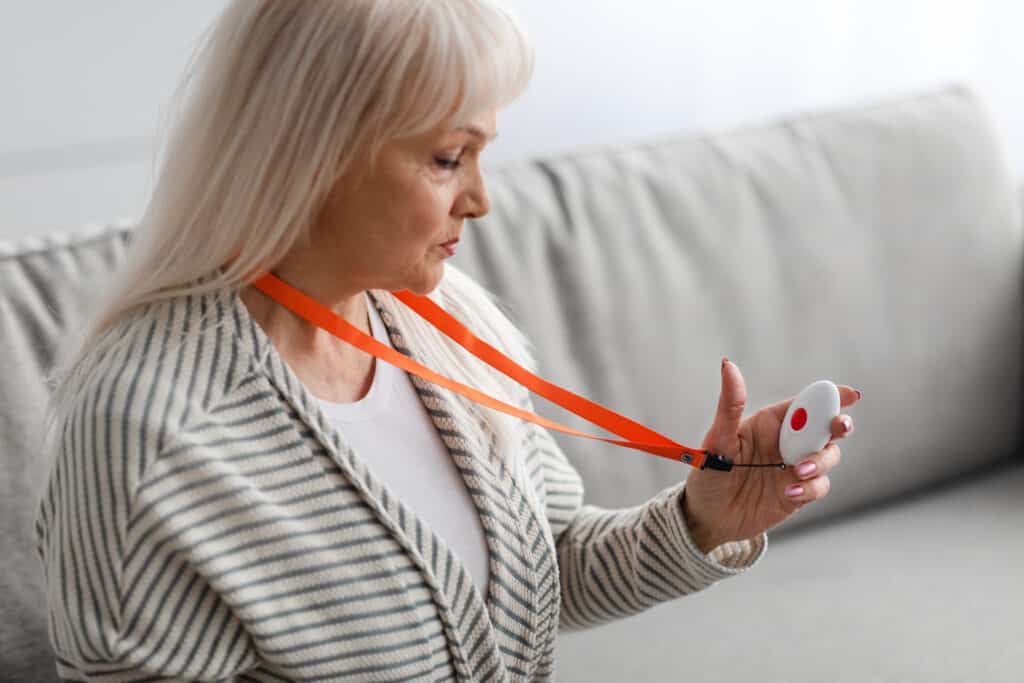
[(924, 590), (45, 285), (878, 246)]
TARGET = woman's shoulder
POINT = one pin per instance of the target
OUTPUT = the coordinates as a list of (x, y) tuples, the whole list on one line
[(159, 362), (144, 385), (146, 335)]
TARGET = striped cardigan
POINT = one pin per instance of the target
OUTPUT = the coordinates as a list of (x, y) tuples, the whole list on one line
[(203, 521)]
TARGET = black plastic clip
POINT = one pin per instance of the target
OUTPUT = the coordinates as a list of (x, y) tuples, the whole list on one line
[(713, 461)]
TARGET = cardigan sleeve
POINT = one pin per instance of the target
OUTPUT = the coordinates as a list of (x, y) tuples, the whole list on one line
[(618, 563), (124, 604)]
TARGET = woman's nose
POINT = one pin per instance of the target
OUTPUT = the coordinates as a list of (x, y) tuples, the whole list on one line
[(476, 203)]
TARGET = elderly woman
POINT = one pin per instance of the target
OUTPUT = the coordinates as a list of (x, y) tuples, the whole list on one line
[(236, 494)]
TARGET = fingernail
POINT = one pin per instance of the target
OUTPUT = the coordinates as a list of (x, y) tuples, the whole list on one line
[(859, 395), (724, 361), (806, 468), (795, 490), (847, 425)]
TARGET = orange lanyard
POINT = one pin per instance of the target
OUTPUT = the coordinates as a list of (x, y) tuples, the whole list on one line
[(634, 434)]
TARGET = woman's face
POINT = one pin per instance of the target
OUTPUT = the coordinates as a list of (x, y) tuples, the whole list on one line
[(391, 226)]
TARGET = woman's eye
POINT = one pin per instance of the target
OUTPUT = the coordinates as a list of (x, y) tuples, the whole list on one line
[(446, 163)]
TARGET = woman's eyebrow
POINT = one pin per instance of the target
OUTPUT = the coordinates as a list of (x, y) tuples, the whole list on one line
[(478, 132)]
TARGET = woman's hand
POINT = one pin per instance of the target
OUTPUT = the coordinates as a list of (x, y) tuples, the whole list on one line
[(731, 506)]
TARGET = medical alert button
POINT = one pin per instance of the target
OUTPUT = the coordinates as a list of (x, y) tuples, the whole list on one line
[(807, 427)]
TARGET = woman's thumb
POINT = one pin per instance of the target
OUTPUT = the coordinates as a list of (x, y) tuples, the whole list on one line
[(731, 402)]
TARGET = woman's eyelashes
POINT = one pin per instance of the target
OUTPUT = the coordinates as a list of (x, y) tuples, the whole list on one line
[(448, 163)]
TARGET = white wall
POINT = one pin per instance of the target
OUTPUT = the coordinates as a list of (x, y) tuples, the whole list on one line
[(83, 83)]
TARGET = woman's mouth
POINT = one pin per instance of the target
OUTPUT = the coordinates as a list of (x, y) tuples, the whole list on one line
[(449, 246)]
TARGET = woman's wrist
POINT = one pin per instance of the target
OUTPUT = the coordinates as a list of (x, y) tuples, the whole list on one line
[(701, 533)]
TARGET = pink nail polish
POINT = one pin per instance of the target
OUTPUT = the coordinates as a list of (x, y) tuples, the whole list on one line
[(847, 424), (794, 490), (805, 468)]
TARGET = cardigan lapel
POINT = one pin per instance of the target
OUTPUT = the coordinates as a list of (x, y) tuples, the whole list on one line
[(511, 600), (480, 628)]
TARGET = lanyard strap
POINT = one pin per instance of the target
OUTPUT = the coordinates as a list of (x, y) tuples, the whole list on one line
[(635, 435)]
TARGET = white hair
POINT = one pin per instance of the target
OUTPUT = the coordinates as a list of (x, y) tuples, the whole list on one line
[(277, 102)]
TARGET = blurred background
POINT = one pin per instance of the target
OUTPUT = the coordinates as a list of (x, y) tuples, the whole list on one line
[(85, 84)]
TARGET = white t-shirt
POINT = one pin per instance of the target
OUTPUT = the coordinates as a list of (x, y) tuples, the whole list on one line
[(392, 433)]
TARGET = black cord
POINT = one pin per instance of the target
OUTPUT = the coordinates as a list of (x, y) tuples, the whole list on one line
[(724, 464)]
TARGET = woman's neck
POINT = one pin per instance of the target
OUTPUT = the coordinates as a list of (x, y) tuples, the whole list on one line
[(330, 368)]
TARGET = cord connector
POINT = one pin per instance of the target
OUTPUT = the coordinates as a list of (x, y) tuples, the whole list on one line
[(713, 461)]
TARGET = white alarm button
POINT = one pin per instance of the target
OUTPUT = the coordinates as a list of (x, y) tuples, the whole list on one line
[(807, 427)]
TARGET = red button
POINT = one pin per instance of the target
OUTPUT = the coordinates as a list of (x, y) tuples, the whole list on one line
[(799, 420)]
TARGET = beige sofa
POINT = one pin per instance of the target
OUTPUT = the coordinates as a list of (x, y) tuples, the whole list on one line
[(877, 245)]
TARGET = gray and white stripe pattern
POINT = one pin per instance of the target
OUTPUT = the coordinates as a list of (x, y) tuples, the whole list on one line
[(203, 521)]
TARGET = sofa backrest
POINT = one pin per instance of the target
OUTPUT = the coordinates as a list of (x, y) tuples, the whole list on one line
[(45, 285), (878, 246)]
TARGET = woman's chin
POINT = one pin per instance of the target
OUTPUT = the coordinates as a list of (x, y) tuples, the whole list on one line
[(429, 282)]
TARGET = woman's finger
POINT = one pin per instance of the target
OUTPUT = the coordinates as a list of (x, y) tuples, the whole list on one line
[(818, 464), (807, 491), (848, 395), (842, 425)]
